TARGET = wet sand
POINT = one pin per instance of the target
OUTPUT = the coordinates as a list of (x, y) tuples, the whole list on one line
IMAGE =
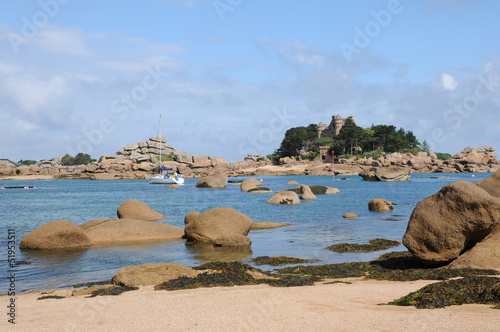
[(323, 307)]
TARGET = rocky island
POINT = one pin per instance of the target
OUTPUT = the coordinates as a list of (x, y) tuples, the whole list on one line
[(135, 161)]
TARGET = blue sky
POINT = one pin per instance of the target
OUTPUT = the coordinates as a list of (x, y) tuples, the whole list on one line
[(230, 76)]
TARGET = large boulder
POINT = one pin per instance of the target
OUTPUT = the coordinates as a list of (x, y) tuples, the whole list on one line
[(108, 231), (57, 234), (133, 209), (305, 193), (380, 205), (388, 174), (491, 184), (450, 222), (221, 226), (284, 198), (190, 217), (484, 255), (248, 184), (151, 274), (217, 180)]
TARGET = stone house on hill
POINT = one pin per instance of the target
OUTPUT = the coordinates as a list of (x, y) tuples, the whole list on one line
[(333, 129), (330, 131)]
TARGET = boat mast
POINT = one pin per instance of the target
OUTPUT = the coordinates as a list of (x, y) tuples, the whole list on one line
[(159, 143)]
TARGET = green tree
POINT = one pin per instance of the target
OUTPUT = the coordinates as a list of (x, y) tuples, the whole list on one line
[(26, 162), (425, 146), (82, 159), (349, 136), (294, 139), (67, 160)]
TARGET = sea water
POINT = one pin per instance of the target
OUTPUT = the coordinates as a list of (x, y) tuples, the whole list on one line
[(315, 224)]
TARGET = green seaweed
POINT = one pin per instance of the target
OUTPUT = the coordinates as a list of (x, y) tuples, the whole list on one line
[(233, 274), (375, 245), (264, 189), (57, 297), (280, 260), (467, 290), (316, 190), (92, 283), (115, 290), (337, 282), (394, 266)]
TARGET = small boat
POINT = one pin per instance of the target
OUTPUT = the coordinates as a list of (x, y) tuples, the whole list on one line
[(164, 175), (167, 176)]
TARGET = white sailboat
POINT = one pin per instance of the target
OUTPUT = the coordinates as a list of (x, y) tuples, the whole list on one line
[(164, 175)]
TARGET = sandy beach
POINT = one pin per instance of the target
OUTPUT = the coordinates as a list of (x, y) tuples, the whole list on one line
[(323, 307)]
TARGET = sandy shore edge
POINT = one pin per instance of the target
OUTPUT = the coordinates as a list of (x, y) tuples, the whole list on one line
[(323, 307)]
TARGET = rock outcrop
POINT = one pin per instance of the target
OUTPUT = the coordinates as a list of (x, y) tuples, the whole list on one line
[(151, 274), (217, 180), (248, 184), (453, 221), (190, 217), (305, 193), (350, 215), (222, 226), (111, 231), (284, 198), (57, 234), (491, 184), (386, 174), (380, 205), (134, 209)]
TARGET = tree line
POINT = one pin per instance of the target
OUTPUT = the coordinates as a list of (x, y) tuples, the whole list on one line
[(352, 139)]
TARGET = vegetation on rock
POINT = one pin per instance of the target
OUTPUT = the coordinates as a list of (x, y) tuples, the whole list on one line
[(280, 260), (375, 245)]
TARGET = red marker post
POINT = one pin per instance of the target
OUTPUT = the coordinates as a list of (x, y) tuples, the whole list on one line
[(333, 165)]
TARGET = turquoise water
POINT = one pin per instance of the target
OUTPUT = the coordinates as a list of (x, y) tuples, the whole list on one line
[(315, 224)]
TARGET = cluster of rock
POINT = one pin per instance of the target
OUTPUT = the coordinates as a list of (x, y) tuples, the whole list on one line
[(136, 222), (459, 224), (136, 161), (476, 160), (388, 174)]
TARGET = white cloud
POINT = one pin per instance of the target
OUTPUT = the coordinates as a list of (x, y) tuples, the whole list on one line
[(301, 53), (449, 82), (62, 41)]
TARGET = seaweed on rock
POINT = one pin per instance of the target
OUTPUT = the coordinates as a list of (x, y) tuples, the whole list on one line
[(232, 274), (116, 290), (375, 245), (467, 290), (395, 266), (316, 190), (280, 260), (46, 297)]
